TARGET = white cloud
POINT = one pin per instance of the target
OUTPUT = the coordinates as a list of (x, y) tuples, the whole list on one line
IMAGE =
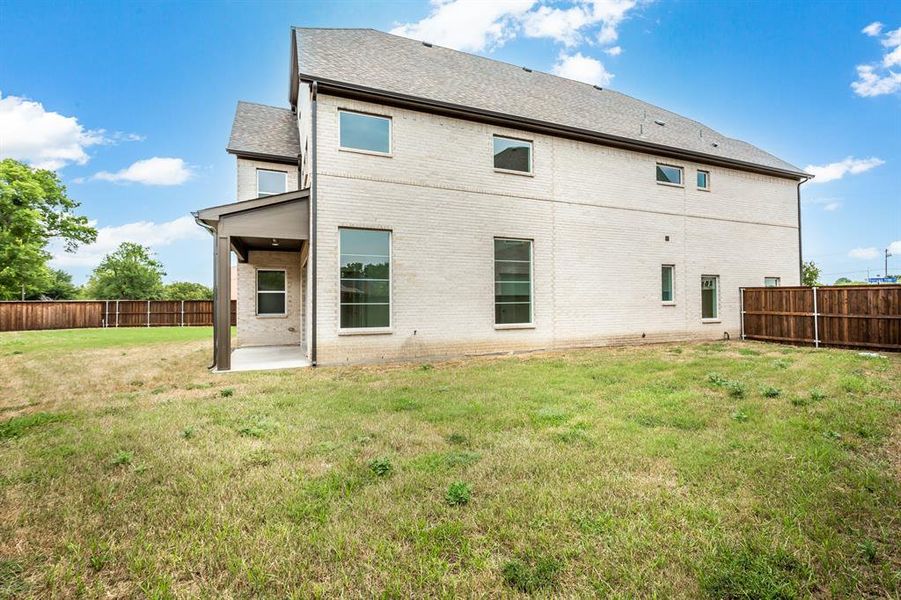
[(877, 79), (895, 248), (582, 68), (478, 26), (873, 29), (151, 171), (864, 253), (832, 206), (827, 204), (837, 170), (614, 51), (468, 24), (45, 139), (146, 233)]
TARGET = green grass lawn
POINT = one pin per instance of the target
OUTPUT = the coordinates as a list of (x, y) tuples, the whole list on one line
[(728, 470)]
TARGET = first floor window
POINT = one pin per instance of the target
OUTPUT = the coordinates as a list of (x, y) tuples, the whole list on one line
[(669, 174), (512, 155), (365, 278), (709, 299), (667, 273), (271, 182), (512, 281), (771, 281), (271, 294)]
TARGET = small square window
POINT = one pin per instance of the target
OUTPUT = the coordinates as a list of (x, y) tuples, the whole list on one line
[(703, 180), (669, 174), (512, 155), (369, 133), (667, 280), (271, 182), (771, 281)]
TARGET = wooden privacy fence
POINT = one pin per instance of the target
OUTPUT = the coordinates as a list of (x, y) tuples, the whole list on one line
[(76, 314), (842, 316)]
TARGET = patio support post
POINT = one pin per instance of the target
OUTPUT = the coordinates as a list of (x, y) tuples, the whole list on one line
[(222, 305)]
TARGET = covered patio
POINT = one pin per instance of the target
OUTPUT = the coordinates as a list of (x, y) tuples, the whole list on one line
[(270, 239)]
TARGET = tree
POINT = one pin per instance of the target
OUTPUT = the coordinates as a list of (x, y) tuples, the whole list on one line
[(60, 286), (843, 281), (810, 274), (186, 290), (129, 273), (34, 208)]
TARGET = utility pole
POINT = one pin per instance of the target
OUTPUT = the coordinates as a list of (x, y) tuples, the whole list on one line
[(887, 254)]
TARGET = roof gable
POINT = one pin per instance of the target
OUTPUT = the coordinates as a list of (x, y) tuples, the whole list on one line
[(265, 131)]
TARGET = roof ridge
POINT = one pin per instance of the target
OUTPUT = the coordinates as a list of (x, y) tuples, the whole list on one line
[(263, 105)]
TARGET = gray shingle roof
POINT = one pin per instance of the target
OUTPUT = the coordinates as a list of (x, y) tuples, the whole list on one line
[(389, 63), (261, 129)]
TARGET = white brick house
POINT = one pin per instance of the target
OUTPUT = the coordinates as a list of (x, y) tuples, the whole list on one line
[(419, 202)]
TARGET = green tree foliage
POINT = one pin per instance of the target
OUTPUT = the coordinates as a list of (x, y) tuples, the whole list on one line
[(129, 273), (60, 286), (810, 274), (34, 208), (186, 290)]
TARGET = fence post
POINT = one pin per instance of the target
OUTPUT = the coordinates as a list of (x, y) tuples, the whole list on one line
[(148, 313), (117, 313), (741, 308), (182, 313), (106, 313), (816, 331)]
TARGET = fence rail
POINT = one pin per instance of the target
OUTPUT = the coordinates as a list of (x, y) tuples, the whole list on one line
[(78, 314), (840, 316)]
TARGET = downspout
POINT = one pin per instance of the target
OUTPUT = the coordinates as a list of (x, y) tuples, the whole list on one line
[(800, 251), (212, 231), (313, 253)]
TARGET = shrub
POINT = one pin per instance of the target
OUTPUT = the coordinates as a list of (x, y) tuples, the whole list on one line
[(529, 575), (458, 494), (736, 389), (770, 392), (227, 392), (380, 466)]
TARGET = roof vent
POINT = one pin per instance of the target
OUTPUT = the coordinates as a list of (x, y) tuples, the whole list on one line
[(659, 122), (427, 44), (715, 144), (597, 87), (527, 69)]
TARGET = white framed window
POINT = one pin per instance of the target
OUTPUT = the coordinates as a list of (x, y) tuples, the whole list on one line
[(272, 295), (512, 282), (361, 132), (710, 300), (512, 155), (668, 284), (771, 281), (703, 180), (271, 182), (365, 278), (669, 174)]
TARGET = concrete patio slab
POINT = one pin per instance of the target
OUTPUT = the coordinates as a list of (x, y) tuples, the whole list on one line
[(264, 358)]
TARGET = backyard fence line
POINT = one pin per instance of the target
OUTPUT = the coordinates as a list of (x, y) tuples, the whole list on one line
[(840, 316), (79, 314)]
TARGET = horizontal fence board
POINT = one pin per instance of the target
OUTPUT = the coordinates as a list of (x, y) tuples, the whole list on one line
[(848, 317), (80, 314)]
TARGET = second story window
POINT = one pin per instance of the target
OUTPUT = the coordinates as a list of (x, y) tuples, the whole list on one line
[(512, 155), (365, 133), (703, 180), (271, 182), (669, 175)]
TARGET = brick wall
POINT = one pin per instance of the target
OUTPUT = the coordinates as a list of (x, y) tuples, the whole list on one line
[(269, 330), (247, 176), (598, 220)]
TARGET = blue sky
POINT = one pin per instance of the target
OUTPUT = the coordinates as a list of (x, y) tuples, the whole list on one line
[(132, 102)]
